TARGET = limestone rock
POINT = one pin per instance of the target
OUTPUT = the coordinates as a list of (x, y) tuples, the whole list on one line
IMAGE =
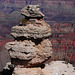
[(58, 68), (21, 50), (31, 46), (27, 53), (53, 68), (32, 11), (38, 29), (27, 71), (44, 52)]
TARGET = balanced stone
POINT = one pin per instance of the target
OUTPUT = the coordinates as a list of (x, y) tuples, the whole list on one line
[(32, 46), (28, 53), (32, 11)]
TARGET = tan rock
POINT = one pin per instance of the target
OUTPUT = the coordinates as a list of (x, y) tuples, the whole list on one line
[(21, 50), (27, 71), (28, 54), (53, 68), (32, 30)]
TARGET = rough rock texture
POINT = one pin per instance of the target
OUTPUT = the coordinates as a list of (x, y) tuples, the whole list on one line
[(58, 68), (31, 46), (21, 50), (28, 71), (53, 68), (32, 11), (38, 29), (28, 51)]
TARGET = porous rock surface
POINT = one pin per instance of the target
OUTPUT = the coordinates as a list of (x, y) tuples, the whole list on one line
[(21, 50), (53, 68), (32, 11), (31, 46), (28, 51), (28, 71), (35, 30)]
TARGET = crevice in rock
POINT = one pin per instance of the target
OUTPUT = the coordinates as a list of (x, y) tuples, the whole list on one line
[(17, 61), (42, 66), (36, 41), (38, 18)]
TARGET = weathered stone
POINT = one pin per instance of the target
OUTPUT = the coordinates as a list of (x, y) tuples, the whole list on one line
[(28, 71), (28, 54), (21, 50), (58, 68), (32, 11), (44, 52), (38, 29), (53, 68), (32, 47)]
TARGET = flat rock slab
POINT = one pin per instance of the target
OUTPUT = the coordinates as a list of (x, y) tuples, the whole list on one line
[(58, 68), (27, 71)]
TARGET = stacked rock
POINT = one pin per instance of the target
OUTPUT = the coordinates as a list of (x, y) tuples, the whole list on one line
[(32, 46)]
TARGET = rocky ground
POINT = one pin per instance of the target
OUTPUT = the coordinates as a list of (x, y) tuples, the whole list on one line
[(58, 68), (53, 68)]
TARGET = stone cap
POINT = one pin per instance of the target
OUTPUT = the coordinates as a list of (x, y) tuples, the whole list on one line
[(32, 11)]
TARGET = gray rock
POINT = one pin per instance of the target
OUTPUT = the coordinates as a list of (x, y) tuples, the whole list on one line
[(38, 29), (32, 11), (27, 71)]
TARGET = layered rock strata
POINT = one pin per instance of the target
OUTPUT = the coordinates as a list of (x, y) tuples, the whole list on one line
[(31, 46)]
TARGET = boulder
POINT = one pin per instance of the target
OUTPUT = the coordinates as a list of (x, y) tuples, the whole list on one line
[(31, 46), (27, 71), (53, 68), (32, 11), (21, 50), (38, 29), (27, 53)]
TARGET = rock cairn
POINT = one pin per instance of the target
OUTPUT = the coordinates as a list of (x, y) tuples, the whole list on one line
[(31, 46)]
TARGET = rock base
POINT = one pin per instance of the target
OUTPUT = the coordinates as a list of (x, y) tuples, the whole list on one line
[(53, 68)]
